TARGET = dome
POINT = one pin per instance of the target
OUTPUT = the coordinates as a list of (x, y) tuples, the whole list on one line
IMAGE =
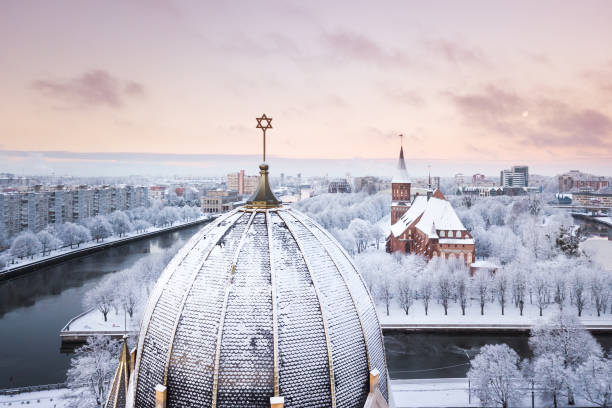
[(262, 302)]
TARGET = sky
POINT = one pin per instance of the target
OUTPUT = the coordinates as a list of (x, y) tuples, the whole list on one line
[(474, 86)]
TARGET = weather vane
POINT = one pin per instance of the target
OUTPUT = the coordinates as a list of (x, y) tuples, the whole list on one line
[(264, 123)]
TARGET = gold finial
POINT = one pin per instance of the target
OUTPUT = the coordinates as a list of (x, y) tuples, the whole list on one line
[(401, 136), (264, 197), (267, 124)]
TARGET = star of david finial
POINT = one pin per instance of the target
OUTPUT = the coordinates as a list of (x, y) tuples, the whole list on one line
[(401, 136), (264, 123)]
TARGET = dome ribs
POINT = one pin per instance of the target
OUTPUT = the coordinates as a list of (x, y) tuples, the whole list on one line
[(228, 286), (274, 306), (247, 340), (347, 344), (304, 370), (364, 303), (170, 270), (191, 368)]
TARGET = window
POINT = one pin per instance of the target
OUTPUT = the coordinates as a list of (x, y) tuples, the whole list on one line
[(443, 234)]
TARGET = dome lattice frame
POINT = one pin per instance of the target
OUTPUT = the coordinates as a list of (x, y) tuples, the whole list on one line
[(259, 303)]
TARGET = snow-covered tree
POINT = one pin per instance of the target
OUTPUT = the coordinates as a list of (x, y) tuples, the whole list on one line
[(25, 244), (4, 260), (74, 234), (91, 371), (426, 288), (594, 381), (121, 222), (564, 336), (578, 290), (541, 288), (559, 279), (100, 228), (569, 238), (519, 288), (101, 297), (482, 284), (551, 376), (599, 283), (386, 283), (495, 376), (141, 225), (501, 283), (406, 291), (462, 288), (48, 241), (360, 229), (444, 286)]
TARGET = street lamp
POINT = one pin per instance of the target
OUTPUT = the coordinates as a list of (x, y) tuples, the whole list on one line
[(469, 383)]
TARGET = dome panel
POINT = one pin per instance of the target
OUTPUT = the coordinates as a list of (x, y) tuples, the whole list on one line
[(302, 347), (363, 301), (246, 366), (350, 365)]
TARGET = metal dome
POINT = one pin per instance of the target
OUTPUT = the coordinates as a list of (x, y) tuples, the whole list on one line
[(260, 303)]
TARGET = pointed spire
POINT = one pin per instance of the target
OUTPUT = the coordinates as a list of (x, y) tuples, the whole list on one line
[(120, 384), (401, 175)]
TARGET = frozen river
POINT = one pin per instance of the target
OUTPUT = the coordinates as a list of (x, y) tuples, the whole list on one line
[(35, 307)]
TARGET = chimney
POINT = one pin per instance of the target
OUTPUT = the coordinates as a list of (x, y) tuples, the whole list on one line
[(374, 377), (277, 402), (160, 396)]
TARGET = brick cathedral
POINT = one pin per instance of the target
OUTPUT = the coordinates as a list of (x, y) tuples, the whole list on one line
[(425, 224)]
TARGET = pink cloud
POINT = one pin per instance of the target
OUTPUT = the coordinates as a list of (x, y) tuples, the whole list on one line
[(92, 88)]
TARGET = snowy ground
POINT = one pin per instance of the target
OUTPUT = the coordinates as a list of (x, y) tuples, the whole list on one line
[(492, 315), (63, 251), (600, 249), (37, 399), (446, 392), (93, 321), (451, 392)]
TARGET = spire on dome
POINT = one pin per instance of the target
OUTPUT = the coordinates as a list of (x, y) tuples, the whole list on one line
[(264, 197)]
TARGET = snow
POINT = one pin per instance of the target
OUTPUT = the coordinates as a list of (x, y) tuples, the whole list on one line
[(605, 220), (37, 399), (435, 213), (484, 264), (600, 249), (93, 321), (452, 392), (456, 241), (92, 244), (492, 315)]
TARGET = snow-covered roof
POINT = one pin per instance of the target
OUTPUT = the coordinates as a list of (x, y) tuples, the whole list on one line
[(484, 264), (436, 214), (416, 209), (258, 299), (401, 174)]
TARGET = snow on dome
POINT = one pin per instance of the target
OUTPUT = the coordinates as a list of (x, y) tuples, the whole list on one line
[(261, 303)]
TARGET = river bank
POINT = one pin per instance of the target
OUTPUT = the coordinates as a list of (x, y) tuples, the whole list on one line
[(63, 254)]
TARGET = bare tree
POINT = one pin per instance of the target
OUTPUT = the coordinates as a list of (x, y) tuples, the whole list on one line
[(578, 290), (101, 297), (541, 284), (444, 283), (406, 290)]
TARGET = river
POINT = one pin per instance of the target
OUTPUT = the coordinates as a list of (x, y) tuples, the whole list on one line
[(35, 307)]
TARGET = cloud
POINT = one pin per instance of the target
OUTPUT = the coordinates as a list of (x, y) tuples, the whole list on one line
[(92, 88), (601, 78), (357, 47), (455, 53), (404, 96), (534, 120)]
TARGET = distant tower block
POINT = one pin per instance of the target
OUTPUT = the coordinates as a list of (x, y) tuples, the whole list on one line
[(400, 188)]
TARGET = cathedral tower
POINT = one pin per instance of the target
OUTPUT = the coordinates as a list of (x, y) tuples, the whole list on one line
[(400, 189)]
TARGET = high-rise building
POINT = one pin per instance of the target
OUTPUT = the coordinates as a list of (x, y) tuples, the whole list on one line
[(517, 176), (244, 185), (459, 179)]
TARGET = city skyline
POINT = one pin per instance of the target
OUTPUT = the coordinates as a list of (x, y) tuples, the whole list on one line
[(475, 86)]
